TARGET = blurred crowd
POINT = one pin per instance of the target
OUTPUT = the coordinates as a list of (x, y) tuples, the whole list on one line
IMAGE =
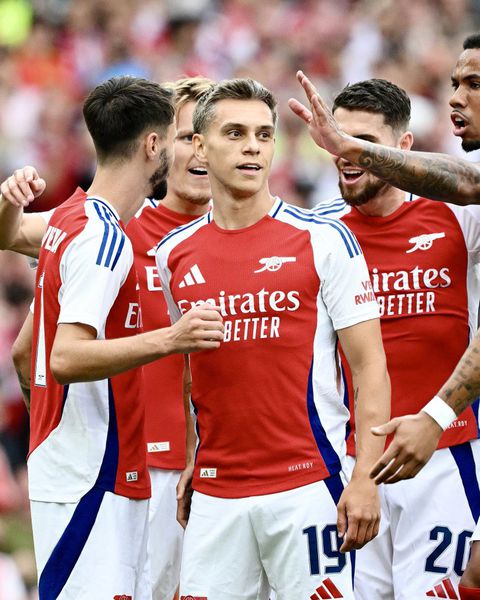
[(52, 52)]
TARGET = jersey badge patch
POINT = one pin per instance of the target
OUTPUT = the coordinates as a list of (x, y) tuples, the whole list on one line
[(208, 473), (274, 263), (132, 476), (193, 277), (424, 241), (158, 446)]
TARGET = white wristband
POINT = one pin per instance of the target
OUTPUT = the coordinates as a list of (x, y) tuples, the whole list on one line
[(440, 412)]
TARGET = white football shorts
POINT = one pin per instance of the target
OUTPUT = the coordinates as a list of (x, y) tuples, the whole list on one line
[(427, 523), (93, 548), (237, 548), (165, 538)]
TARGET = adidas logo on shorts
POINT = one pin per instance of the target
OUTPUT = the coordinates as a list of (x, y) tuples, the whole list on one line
[(327, 589), (444, 589), (193, 598), (122, 597)]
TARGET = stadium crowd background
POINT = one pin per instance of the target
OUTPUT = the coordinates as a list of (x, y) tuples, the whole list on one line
[(52, 52)]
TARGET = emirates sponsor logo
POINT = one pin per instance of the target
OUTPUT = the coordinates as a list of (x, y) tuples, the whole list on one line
[(408, 292), (261, 302), (405, 281)]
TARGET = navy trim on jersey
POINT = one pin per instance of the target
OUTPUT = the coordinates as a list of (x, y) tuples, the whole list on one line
[(280, 204), (179, 230), (463, 456), (346, 401), (153, 202), (104, 205), (105, 215), (112, 243), (69, 547), (322, 213), (353, 247), (324, 446)]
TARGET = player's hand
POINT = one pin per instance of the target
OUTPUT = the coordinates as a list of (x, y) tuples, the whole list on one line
[(415, 440), (321, 123), (184, 496), (358, 514), (200, 328), (21, 188)]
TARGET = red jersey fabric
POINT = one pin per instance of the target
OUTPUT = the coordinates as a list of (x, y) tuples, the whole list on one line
[(422, 261), (88, 433)]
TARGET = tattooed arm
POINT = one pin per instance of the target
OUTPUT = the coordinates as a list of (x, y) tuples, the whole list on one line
[(416, 436), (435, 176)]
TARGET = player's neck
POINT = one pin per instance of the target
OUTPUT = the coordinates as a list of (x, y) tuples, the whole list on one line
[(237, 212), (184, 206), (124, 192), (383, 205)]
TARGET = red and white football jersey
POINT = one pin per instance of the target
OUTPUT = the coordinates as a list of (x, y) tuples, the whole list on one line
[(91, 433), (423, 262), (163, 379), (269, 401)]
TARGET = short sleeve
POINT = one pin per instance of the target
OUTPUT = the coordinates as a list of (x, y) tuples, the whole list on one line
[(345, 282), (92, 275), (468, 218)]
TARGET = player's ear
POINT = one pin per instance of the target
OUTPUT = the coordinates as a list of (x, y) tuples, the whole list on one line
[(151, 144), (406, 140), (198, 142)]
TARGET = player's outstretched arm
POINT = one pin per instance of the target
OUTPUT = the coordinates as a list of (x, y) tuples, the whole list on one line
[(416, 436), (184, 486), (359, 506), (18, 231), (435, 176), (21, 356), (78, 356)]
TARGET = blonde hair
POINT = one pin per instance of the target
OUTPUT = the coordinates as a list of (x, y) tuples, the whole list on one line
[(189, 89)]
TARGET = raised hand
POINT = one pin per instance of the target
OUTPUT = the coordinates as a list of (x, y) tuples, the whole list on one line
[(21, 188)]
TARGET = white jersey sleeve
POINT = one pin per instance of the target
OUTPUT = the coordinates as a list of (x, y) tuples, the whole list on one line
[(90, 282), (345, 283), (468, 218)]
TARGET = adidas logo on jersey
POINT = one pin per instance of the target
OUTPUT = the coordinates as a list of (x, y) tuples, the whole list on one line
[(444, 589), (424, 241), (274, 263), (158, 446), (132, 476), (208, 473), (193, 277), (327, 589)]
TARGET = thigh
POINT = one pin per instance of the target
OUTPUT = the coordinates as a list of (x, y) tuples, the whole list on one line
[(432, 520), (299, 545), (100, 552), (220, 555), (165, 536)]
